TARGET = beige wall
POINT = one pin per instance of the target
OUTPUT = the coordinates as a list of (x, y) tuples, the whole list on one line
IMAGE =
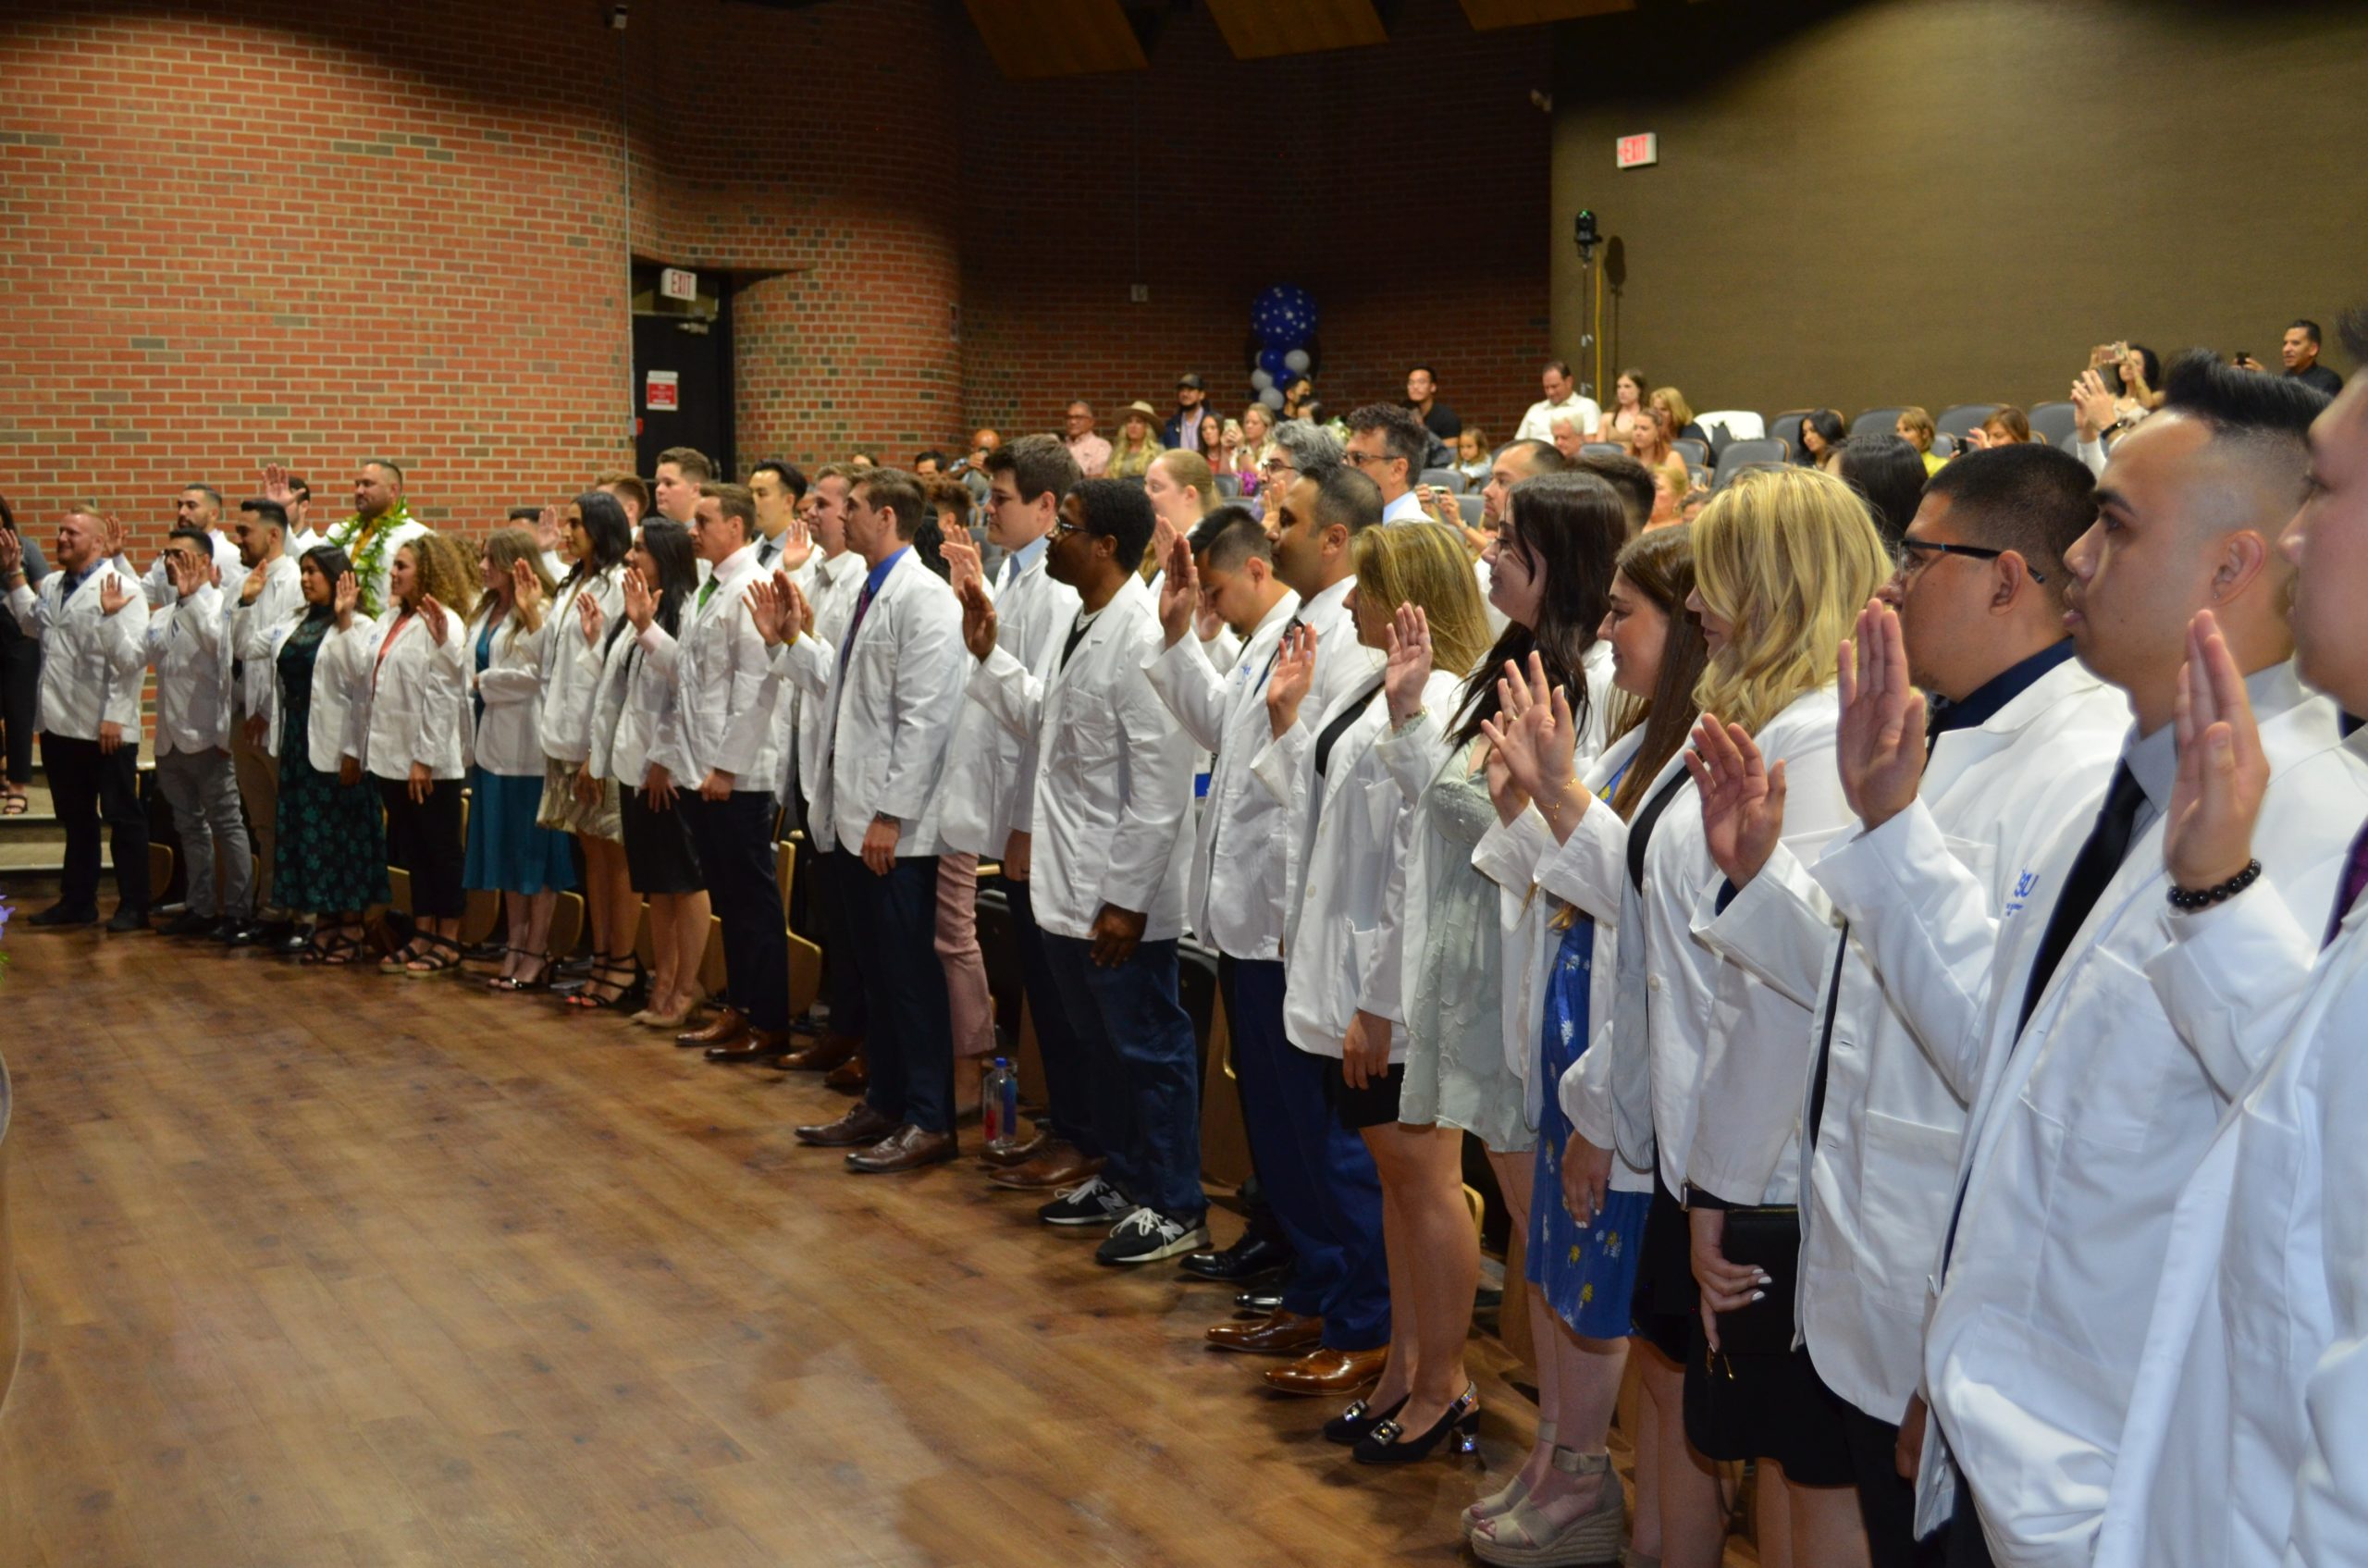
[(1948, 201)]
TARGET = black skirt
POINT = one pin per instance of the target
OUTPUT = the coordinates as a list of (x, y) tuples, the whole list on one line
[(1770, 1406), (659, 854), (1373, 1106), (1667, 1304)]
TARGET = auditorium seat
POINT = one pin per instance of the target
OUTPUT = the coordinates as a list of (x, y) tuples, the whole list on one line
[(1444, 480), (1876, 422), (1786, 427), (1740, 455), (1964, 418), (1602, 449), (2052, 421), (1693, 452)]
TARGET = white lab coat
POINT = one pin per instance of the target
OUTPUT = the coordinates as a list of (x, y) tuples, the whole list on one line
[(1341, 943), (723, 680), (90, 662), (2082, 1135), (505, 740), (2247, 1419), (563, 715), (413, 701), (636, 722), (334, 730), (258, 629), (789, 702), (837, 581), (889, 707), (991, 770), (1884, 1169), (157, 583), (189, 645), (1235, 904), (1114, 774)]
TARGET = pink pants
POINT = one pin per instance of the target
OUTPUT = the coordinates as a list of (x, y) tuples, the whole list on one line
[(957, 947)]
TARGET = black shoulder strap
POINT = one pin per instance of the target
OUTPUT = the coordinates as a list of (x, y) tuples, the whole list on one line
[(1640, 831), (1340, 724)]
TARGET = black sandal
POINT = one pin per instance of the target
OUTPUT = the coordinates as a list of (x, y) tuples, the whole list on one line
[(336, 949), (569, 980), (542, 981), (630, 995), (442, 953)]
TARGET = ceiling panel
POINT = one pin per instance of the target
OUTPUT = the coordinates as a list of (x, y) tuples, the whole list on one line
[(1031, 39), (1256, 29)]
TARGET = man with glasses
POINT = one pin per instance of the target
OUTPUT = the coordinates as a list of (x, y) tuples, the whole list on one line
[(2018, 726), (1300, 449), (1387, 444)]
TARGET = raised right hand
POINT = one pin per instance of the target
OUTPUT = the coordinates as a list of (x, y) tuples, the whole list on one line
[(275, 487), (588, 616), (1294, 672), (2208, 831), (1881, 744), (1408, 669), (978, 620), (12, 551), (343, 598), (1180, 591), (1743, 799), (641, 605)]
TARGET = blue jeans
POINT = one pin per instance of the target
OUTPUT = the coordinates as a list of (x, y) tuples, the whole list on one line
[(1145, 1071), (1317, 1174)]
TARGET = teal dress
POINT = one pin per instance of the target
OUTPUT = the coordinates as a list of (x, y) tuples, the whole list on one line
[(332, 854), (507, 851)]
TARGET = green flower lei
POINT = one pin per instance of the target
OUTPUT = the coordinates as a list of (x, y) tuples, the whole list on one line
[(370, 566)]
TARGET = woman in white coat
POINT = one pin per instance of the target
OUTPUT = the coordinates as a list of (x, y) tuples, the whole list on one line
[(330, 854), (1342, 938), (637, 753), (576, 799), (509, 852), (1588, 1209), (408, 671)]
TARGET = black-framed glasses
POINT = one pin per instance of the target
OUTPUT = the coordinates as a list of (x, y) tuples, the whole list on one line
[(1904, 555), (1063, 525)]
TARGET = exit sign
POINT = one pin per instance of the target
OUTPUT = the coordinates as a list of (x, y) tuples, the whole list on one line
[(1635, 151), (677, 284)]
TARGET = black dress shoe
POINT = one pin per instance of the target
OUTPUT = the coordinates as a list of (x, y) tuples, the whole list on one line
[(1259, 1302), (860, 1128), (1246, 1259), (57, 917), (238, 934), (127, 920), (189, 922), (295, 943)]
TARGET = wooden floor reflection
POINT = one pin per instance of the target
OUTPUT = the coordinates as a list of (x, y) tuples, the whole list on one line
[(325, 1268)]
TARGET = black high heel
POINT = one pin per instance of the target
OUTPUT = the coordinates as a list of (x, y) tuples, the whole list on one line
[(1459, 1428), (1350, 1426)]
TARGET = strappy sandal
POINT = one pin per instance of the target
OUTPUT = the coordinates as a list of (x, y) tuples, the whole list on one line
[(14, 805), (336, 949), (568, 976), (442, 953), (542, 981), (630, 995)]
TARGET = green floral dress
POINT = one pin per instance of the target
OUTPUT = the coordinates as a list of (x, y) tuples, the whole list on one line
[(332, 854)]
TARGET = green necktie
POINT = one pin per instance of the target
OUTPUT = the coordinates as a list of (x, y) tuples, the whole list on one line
[(704, 589)]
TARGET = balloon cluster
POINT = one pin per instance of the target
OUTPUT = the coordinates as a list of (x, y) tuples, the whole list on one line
[(1282, 319)]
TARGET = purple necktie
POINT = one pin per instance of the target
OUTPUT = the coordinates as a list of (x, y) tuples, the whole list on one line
[(2355, 882)]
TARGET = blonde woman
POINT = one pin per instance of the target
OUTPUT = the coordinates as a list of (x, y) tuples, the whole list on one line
[(1671, 404), (1915, 427), (1649, 443), (597, 530), (1255, 437), (509, 852), (1344, 986), (1137, 442), (407, 670)]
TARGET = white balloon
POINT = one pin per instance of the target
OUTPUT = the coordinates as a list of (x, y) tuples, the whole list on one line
[(1272, 397), (1260, 380), (1297, 359)]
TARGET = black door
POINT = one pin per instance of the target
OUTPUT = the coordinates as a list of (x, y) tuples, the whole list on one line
[(690, 343)]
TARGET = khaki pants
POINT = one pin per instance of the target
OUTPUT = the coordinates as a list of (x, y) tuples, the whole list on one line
[(258, 772)]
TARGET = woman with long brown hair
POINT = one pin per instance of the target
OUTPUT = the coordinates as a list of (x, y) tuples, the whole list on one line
[(509, 852)]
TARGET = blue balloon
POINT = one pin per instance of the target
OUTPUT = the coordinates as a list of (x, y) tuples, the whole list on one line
[(1270, 360), (1284, 317)]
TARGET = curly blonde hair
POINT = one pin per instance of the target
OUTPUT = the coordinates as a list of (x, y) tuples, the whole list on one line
[(1788, 557)]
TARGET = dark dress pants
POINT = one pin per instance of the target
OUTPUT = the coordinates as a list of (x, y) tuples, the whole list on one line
[(89, 787), (1069, 1084), (909, 1045), (735, 839)]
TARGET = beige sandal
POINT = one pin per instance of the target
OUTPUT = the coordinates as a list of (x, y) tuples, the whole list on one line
[(1524, 1537)]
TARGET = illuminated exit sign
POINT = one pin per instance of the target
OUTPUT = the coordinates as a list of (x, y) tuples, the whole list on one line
[(1635, 151)]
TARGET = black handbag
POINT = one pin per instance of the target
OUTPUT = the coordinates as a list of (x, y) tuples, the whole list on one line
[(1768, 1239)]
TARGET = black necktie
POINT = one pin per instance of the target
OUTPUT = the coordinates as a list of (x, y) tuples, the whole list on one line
[(1077, 636), (2092, 872)]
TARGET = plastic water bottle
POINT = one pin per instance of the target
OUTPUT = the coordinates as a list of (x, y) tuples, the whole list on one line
[(999, 1107)]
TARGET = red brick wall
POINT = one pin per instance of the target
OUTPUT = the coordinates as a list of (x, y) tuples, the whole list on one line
[(319, 232)]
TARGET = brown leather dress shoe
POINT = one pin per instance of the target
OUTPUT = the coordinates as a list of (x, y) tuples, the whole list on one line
[(850, 1077), (1018, 1155), (1279, 1333), (826, 1053), (908, 1148), (1327, 1372), (1058, 1164), (860, 1128), (725, 1028), (765, 1045)]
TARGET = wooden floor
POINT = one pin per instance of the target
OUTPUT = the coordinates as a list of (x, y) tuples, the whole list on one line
[(321, 1267)]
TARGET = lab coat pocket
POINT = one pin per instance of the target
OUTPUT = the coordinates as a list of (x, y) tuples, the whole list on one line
[(2042, 1433), (1907, 1177), (2094, 1081)]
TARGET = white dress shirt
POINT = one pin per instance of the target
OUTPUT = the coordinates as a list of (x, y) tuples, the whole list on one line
[(1113, 778), (1405, 508), (1537, 424), (1241, 857), (189, 647), (90, 662), (723, 679)]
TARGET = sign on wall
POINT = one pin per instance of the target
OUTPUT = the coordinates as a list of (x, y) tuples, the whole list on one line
[(663, 391), (678, 284), (1635, 151)]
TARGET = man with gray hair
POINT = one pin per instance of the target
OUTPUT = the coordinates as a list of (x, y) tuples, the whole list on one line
[(1299, 451)]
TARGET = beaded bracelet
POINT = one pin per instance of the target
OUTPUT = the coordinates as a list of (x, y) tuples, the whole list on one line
[(2204, 897)]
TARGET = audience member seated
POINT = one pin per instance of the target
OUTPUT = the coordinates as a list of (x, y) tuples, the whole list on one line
[(1422, 400), (1092, 452), (2300, 352), (1915, 427), (1561, 400), (1669, 402), (1137, 444), (1472, 454), (2008, 426), (1822, 433), (1627, 410)]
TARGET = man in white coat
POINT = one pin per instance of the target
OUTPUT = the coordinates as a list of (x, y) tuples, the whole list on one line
[(189, 644), (2018, 723), (2247, 1439), (270, 598), (2093, 1108), (725, 692), (91, 621), (1108, 872), (991, 811), (889, 695)]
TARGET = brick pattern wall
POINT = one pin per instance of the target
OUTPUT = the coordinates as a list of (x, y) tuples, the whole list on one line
[(321, 232)]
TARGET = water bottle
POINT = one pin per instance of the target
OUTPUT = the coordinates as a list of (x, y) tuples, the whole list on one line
[(999, 1107)]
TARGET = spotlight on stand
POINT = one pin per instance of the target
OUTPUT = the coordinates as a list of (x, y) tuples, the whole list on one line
[(1583, 231)]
